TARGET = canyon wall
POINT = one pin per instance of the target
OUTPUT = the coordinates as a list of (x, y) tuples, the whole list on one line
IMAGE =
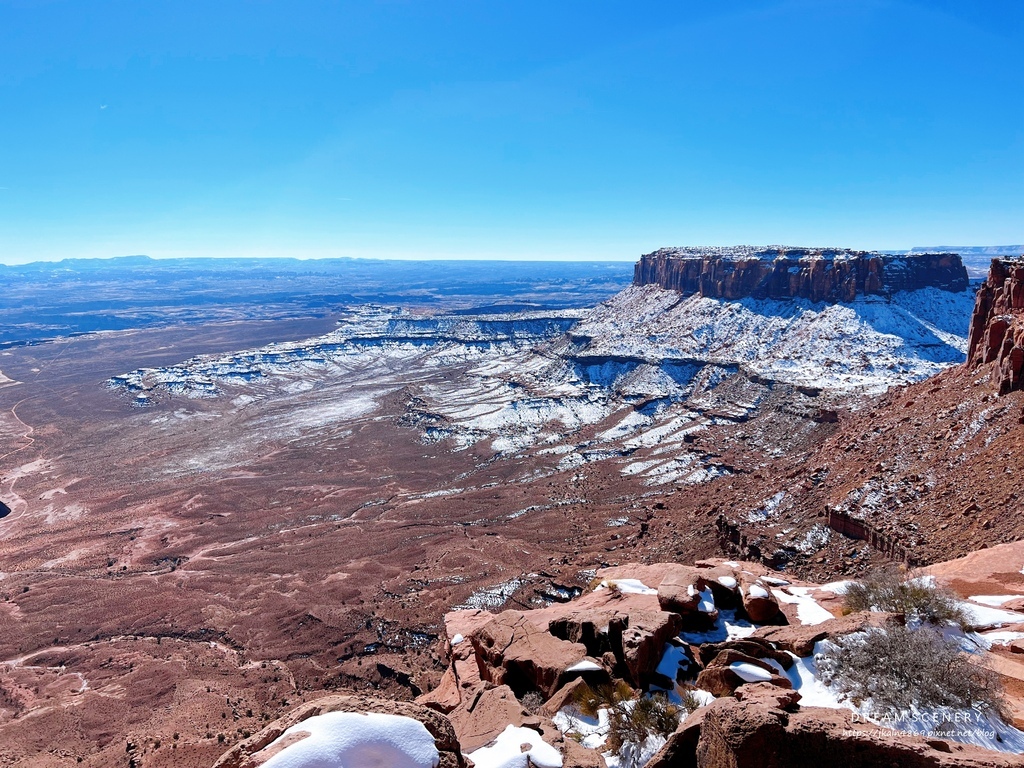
[(775, 272), (997, 326)]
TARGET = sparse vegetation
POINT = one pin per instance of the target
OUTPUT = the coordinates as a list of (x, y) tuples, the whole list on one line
[(632, 719), (895, 668), (532, 702), (917, 598)]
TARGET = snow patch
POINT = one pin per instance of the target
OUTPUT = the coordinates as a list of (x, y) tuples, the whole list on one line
[(507, 751), (358, 739)]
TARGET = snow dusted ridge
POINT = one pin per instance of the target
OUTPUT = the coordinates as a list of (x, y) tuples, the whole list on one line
[(763, 252), (868, 344), (631, 380)]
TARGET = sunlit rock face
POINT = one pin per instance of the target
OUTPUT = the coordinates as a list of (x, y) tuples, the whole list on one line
[(997, 332), (780, 272)]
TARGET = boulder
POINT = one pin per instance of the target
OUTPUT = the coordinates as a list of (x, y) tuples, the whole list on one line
[(489, 710), (512, 650), (485, 713), (598, 630), (643, 642), (799, 639), (463, 673), (759, 603), (722, 679), (680, 593), (446, 696), (772, 696), (256, 750), (563, 697), (724, 581), (756, 647)]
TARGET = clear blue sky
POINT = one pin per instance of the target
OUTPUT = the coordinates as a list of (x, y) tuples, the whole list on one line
[(512, 130)]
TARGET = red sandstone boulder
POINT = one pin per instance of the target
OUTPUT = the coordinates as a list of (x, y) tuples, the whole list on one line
[(464, 672), (756, 647), (643, 642), (759, 603), (485, 713), (680, 750), (512, 650), (680, 592), (800, 639), (730, 669)]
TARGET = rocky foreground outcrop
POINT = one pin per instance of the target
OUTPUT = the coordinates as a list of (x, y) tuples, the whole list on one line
[(765, 727), (997, 327), (780, 272), (516, 674)]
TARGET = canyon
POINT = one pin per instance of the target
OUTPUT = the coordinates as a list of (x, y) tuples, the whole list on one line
[(214, 523)]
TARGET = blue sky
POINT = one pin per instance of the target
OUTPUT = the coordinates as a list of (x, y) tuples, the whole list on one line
[(506, 130)]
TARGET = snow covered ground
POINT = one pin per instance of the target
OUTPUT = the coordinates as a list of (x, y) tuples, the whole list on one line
[(649, 366), (868, 344)]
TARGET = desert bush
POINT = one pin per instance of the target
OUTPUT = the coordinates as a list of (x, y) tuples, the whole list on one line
[(690, 701), (590, 700), (637, 720), (889, 589), (895, 668), (632, 721), (532, 702)]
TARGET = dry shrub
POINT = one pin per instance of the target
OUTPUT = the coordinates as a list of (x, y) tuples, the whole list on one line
[(631, 721), (896, 668), (889, 589)]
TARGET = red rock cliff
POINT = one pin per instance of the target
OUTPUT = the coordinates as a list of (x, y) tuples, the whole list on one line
[(776, 272), (997, 326)]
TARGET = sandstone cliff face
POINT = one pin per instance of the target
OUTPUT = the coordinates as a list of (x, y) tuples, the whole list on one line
[(997, 326), (777, 272)]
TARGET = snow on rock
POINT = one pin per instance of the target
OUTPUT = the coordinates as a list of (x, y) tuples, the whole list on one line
[(707, 601), (750, 673), (869, 343), (507, 751), (591, 731), (756, 590), (672, 659), (355, 739), (1000, 637), (807, 608), (993, 600), (804, 677), (727, 581), (627, 586), (837, 587), (727, 627), (983, 617), (585, 665)]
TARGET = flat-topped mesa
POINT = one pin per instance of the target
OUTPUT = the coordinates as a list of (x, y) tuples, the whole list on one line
[(782, 272), (997, 325)]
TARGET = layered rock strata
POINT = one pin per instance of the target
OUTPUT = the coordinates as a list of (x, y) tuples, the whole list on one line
[(997, 326), (780, 272)]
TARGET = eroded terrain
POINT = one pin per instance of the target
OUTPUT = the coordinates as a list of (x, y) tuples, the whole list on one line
[(210, 523)]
